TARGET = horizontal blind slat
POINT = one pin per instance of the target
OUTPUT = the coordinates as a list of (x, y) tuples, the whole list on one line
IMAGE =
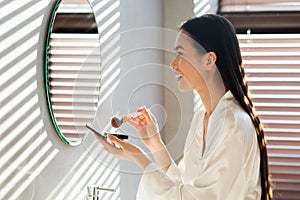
[(81, 83), (232, 6)]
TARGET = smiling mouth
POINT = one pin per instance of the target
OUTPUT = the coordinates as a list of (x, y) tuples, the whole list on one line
[(178, 76)]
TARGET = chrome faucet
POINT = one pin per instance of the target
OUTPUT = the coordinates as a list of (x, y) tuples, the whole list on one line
[(93, 192)]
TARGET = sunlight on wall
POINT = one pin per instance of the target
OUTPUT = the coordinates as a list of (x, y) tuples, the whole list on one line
[(202, 7), (107, 17), (25, 150), (197, 101), (84, 172), (25, 147)]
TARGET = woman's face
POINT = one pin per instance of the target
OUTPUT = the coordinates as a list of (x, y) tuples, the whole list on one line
[(188, 64)]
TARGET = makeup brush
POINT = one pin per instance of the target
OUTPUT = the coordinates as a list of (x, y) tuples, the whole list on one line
[(116, 122)]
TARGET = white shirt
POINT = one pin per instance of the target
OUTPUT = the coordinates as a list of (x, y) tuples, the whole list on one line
[(227, 169)]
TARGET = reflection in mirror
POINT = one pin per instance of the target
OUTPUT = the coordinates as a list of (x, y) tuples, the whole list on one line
[(72, 69)]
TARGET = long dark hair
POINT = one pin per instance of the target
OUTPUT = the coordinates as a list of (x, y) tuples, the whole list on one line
[(215, 33)]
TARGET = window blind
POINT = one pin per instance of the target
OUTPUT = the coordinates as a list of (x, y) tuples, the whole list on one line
[(272, 65), (74, 79), (259, 5)]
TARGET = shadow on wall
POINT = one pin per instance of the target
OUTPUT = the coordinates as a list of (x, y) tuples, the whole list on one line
[(31, 153), (202, 7), (25, 150)]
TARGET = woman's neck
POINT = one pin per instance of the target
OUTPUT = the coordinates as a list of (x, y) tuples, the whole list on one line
[(211, 96)]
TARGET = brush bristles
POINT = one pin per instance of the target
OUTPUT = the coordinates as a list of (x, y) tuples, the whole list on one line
[(116, 122)]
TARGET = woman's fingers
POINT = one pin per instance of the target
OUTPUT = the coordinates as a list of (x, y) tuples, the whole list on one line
[(152, 116), (99, 138), (145, 114), (107, 146), (133, 123), (137, 122), (116, 141)]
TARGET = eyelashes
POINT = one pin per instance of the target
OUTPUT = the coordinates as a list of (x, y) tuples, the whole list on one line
[(178, 53)]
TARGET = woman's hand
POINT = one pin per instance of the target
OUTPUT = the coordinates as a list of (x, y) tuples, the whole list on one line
[(124, 150), (146, 126)]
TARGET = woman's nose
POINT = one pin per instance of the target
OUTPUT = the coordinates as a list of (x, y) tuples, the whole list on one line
[(173, 63)]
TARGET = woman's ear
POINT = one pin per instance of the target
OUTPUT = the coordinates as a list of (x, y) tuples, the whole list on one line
[(211, 59)]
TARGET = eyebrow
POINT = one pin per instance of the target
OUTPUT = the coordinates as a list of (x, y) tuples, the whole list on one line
[(178, 47)]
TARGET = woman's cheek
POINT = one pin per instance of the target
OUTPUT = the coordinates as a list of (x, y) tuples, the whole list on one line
[(179, 62)]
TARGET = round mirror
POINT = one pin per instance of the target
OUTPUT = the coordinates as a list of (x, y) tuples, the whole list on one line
[(72, 69)]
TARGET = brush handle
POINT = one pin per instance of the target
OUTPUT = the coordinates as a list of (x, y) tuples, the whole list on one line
[(125, 118)]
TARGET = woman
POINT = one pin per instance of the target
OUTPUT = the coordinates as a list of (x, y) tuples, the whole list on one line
[(225, 153)]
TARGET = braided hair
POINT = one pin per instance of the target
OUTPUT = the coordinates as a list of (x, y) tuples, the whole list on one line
[(215, 33)]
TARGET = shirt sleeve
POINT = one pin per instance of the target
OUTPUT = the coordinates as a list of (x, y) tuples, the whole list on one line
[(173, 172), (223, 170), (148, 190)]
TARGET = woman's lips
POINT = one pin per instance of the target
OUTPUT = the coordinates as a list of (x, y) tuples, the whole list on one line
[(178, 75)]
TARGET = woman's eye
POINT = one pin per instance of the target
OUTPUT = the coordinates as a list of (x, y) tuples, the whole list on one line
[(178, 54)]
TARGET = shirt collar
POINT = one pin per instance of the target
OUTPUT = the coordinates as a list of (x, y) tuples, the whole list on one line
[(225, 100)]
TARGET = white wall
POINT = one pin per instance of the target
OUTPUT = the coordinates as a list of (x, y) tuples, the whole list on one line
[(140, 72)]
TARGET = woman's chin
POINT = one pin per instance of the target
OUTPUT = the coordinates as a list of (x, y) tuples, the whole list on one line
[(183, 85), (184, 88)]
